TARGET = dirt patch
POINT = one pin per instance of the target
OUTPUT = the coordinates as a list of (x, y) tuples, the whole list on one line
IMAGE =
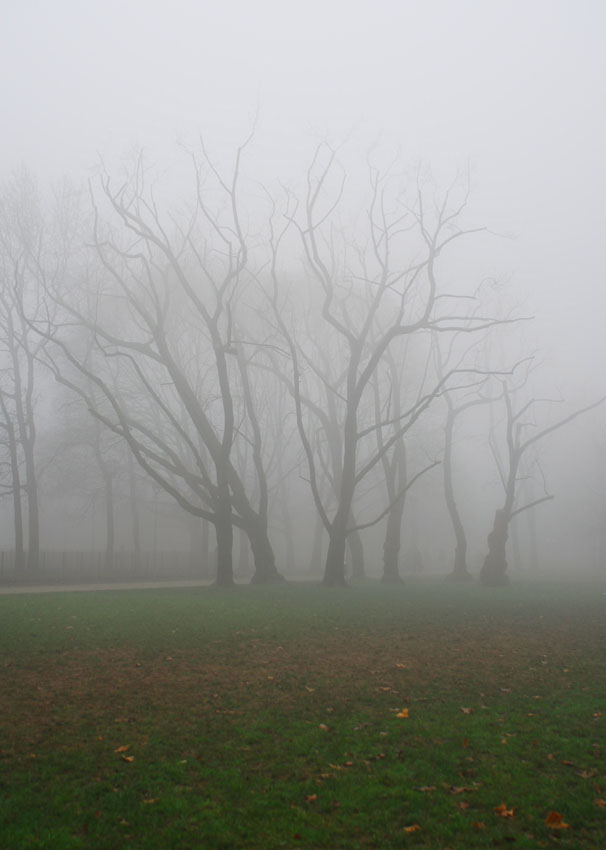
[(89, 689)]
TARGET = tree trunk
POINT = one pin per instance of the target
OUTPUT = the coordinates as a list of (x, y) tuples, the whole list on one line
[(17, 495), (110, 544), (356, 551), (392, 543), (224, 531), (316, 549), (244, 555), (334, 568), (33, 514), (134, 512), (459, 570), (494, 569), (263, 554)]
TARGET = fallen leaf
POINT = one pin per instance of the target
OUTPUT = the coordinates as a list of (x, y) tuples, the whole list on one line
[(462, 804), (401, 666), (567, 763), (403, 713), (414, 827), (128, 758), (555, 820), (426, 788), (459, 789), (311, 798), (504, 812), (600, 803), (122, 749), (466, 710), (479, 824), (323, 727), (151, 800)]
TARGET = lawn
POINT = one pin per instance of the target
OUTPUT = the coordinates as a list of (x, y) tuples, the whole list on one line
[(421, 716)]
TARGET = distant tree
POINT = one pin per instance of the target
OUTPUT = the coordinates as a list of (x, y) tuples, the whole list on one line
[(25, 245), (166, 374), (520, 436), (374, 288)]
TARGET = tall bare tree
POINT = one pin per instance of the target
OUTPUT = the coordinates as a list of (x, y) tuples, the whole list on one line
[(374, 288), (158, 309), (24, 246), (520, 435)]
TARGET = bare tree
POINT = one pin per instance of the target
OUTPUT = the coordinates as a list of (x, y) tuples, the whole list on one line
[(23, 248), (373, 290), (520, 436), (167, 377)]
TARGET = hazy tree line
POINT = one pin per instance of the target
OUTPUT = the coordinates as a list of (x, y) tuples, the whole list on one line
[(242, 347)]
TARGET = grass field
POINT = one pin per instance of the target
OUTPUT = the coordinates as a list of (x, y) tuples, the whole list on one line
[(422, 716)]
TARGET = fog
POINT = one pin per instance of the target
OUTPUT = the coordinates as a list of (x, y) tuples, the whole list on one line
[(499, 104)]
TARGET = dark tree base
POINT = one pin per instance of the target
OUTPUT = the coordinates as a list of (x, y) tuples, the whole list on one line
[(273, 578), (392, 578)]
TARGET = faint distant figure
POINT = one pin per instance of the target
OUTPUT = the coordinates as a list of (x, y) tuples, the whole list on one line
[(413, 560)]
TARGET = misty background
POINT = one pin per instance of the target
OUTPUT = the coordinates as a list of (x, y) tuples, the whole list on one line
[(507, 95)]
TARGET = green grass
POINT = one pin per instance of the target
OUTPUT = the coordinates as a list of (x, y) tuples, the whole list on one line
[(267, 717)]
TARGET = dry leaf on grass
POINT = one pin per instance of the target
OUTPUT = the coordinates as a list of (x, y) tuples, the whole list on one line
[(414, 827), (504, 812), (555, 820), (403, 713), (124, 749)]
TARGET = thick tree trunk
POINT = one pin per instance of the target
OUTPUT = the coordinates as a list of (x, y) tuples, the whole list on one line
[(459, 569), (334, 567), (494, 569), (243, 555), (356, 551), (263, 554), (224, 531), (392, 543), (316, 549)]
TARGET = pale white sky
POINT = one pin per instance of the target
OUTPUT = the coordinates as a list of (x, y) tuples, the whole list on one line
[(515, 87)]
